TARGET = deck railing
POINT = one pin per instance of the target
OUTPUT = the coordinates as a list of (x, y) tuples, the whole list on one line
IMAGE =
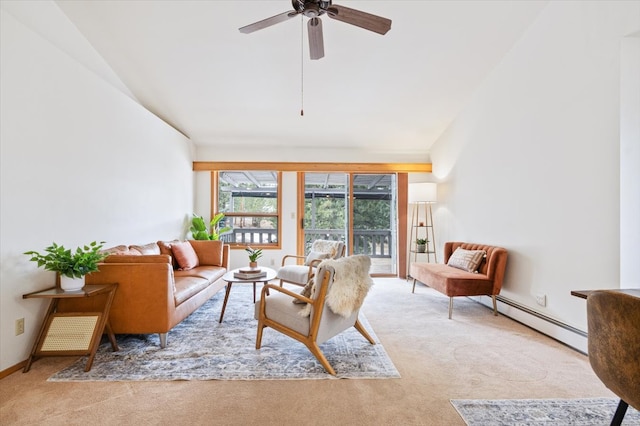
[(374, 243)]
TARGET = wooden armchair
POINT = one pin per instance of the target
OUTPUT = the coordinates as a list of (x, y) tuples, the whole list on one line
[(276, 310), (614, 345), (301, 274)]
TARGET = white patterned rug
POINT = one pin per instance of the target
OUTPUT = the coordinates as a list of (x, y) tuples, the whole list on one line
[(200, 348), (537, 412)]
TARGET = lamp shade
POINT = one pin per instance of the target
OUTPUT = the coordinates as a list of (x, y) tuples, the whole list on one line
[(423, 192)]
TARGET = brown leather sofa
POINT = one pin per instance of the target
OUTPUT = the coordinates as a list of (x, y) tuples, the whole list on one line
[(487, 280), (153, 294)]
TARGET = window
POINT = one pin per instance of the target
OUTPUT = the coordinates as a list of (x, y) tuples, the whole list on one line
[(250, 201)]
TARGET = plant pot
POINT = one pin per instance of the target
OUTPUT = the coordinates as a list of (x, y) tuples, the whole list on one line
[(422, 248), (71, 284), (253, 264)]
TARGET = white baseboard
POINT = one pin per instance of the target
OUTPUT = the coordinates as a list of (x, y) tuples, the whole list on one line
[(564, 333)]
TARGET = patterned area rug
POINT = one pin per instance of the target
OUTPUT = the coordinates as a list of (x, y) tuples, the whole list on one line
[(557, 412), (200, 348)]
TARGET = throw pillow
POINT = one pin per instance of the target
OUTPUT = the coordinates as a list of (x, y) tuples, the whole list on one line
[(209, 252), (127, 252), (185, 255), (307, 291), (115, 250), (316, 255), (151, 248), (165, 248), (467, 260)]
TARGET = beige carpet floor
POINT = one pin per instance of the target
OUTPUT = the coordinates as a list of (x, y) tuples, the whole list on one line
[(473, 356)]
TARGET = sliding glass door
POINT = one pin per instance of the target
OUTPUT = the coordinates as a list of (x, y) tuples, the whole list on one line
[(359, 209)]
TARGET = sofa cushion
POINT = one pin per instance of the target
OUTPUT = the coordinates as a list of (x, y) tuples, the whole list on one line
[(467, 260), (451, 281), (137, 258), (209, 273), (128, 252), (115, 250), (186, 287), (185, 255), (209, 252), (151, 248)]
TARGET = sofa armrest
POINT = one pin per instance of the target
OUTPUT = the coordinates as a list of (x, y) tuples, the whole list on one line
[(226, 249), (144, 301), (496, 267), (292, 256)]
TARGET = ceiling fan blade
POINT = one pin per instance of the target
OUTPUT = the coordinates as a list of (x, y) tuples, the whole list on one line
[(268, 22), (316, 42), (360, 19)]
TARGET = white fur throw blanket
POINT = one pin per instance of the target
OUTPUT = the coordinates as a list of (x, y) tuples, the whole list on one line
[(351, 283), (326, 246)]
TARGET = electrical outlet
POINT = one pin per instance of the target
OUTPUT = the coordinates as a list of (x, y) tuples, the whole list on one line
[(541, 299), (19, 326)]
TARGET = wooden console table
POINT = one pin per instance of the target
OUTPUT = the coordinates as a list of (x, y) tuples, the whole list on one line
[(583, 294), (73, 333)]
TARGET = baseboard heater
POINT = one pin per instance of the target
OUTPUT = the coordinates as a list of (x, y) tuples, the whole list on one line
[(582, 335)]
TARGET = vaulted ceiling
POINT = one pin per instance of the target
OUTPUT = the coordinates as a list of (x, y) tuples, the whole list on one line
[(187, 62)]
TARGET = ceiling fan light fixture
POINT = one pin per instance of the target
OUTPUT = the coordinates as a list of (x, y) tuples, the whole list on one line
[(312, 11)]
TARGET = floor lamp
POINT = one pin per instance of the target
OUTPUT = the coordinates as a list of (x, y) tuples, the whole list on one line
[(421, 196)]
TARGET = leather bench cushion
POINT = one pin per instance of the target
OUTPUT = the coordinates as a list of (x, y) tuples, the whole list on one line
[(451, 281)]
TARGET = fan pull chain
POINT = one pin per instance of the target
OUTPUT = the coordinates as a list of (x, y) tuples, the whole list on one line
[(301, 66)]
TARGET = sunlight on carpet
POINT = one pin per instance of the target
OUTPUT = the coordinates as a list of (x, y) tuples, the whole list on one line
[(200, 348), (533, 412)]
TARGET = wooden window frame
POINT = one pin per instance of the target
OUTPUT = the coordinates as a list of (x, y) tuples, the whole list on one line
[(214, 209)]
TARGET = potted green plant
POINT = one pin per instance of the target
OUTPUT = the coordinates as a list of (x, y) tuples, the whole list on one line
[(254, 255), (421, 245), (199, 228), (70, 265)]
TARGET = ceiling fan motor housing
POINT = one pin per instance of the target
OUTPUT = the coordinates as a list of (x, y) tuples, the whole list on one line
[(311, 8)]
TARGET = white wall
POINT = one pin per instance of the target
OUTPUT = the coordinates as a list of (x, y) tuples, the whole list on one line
[(630, 162), (532, 163), (80, 161)]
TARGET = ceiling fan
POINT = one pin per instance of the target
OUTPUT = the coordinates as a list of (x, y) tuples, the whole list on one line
[(313, 9)]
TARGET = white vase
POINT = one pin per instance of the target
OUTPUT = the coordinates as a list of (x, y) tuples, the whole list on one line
[(71, 284)]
